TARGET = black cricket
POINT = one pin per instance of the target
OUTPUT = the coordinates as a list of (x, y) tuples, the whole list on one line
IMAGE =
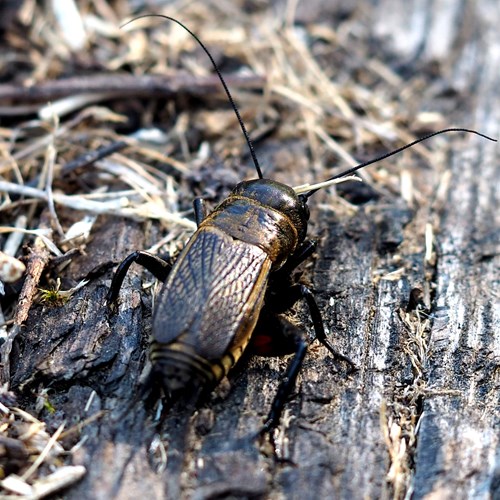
[(234, 270)]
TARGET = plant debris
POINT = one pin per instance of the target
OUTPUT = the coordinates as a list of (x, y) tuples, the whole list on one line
[(102, 121), (31, 460)]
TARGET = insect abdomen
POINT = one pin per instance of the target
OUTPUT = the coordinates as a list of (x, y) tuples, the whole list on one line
[(180, 367)]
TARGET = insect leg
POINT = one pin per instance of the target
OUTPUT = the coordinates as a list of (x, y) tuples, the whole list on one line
[(305, 250), (293, 294), (280, 280), (286, 385), (200, 210), (319, 328), (279, 301), (159, 268)]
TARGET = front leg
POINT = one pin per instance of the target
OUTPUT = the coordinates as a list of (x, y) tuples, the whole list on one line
[(200, 210), (302, 253)]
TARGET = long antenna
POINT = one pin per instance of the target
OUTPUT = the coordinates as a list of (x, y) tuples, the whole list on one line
[(230, 97), (392, 153)]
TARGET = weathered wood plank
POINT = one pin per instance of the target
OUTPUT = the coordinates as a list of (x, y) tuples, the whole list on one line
[(458, 442), (420, 415)]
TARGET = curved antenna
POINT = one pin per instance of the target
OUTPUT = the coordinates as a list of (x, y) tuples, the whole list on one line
[(306, 196), (219, 74)]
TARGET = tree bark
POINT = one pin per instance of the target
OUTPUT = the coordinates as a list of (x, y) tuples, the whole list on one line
[(420, 320)]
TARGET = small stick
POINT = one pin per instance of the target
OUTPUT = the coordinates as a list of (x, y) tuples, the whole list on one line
[(126, 86)]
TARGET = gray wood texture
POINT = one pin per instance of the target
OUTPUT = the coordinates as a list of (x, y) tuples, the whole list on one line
[(420, 417)]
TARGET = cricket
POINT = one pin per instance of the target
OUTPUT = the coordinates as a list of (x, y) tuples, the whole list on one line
[(233, 276)]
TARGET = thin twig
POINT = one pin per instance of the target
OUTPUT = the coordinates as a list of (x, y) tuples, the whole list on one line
[(126, 85)]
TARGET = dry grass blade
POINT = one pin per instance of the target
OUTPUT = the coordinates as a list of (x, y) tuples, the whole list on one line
[(35, 449)]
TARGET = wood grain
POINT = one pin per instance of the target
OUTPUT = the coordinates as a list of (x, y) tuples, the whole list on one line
[(420, 417)]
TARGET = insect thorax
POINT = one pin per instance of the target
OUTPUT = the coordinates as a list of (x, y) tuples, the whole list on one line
[(266, 214)]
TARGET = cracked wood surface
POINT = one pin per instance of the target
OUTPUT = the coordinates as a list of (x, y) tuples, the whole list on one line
[(420, 415)]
